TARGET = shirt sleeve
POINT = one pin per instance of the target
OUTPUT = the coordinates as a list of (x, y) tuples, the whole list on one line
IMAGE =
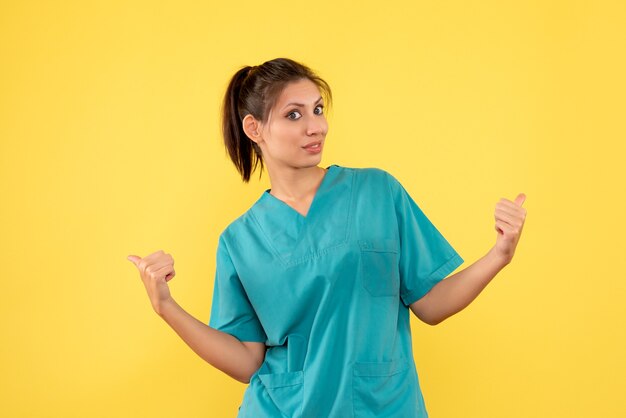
[(426, 257), (231, 310)]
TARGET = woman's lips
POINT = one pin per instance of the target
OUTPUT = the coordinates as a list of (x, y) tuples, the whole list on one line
[(313, 149)]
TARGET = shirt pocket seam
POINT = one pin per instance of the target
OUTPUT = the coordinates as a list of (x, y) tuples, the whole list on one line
[(286, 390), (378, 385)]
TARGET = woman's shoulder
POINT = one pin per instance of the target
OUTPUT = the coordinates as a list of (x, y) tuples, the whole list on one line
[(237, 227), (366, 171), (373, 175)]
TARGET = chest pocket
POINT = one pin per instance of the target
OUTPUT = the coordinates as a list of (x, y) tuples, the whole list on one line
[(380, 270)]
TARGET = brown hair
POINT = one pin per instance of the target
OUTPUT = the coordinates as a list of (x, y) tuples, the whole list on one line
[(255, 90)]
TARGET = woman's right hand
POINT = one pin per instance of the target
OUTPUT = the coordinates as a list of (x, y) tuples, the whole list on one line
[(156, 270)]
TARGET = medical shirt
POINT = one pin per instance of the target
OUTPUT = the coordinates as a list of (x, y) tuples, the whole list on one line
[(329, 294)]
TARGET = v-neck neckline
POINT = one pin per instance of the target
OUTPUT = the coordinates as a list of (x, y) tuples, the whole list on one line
[(294, 238), (320, 188)]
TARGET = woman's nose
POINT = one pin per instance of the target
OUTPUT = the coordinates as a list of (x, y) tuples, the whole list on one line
[(316, 125)]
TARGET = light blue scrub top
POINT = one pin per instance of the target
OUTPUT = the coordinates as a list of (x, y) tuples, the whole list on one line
[(329, 295)]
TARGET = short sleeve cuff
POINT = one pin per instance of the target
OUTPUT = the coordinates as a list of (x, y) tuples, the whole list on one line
[(243, 334), (435, 277)]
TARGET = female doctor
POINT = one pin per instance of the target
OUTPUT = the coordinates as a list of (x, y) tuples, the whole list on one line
[(315, 281)]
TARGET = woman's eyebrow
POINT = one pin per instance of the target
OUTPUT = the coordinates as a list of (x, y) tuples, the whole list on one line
[(300, 104)]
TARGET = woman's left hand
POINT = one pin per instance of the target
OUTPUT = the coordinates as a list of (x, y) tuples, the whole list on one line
[(510, 217)]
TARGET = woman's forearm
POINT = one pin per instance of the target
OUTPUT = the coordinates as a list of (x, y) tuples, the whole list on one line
[(456, 292), (218, 348)]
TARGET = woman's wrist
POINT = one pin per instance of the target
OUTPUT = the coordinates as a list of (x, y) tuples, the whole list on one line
[(163, 306), (498, 259)]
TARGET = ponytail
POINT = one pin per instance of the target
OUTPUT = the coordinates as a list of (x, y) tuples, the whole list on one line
[(237, 143)]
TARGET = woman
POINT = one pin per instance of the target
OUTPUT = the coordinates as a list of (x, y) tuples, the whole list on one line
[(314, 283)]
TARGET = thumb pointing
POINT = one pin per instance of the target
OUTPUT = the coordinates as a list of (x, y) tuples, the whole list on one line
[(133, 259)]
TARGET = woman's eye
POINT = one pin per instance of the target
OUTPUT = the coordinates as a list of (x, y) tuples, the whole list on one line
[(295, 111), (292, 113)]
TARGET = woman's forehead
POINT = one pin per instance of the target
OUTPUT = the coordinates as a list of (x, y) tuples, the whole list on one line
[(298, 92)]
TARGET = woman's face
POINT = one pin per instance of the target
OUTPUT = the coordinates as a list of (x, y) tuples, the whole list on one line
[(297, 119)]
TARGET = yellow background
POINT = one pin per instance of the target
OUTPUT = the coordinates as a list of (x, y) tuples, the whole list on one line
[(110, 146)]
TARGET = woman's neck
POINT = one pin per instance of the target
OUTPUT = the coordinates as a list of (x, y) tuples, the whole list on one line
[(295, 184)]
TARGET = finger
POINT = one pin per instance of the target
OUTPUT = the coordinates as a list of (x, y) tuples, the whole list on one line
[(133, 259), (512, 219), (505, 217), (504, 227), (154, 268), (155, 261), (510, 230), (507, 203), (164, 271), (155, 255), (519, 200), (515, 212), (512, 206)]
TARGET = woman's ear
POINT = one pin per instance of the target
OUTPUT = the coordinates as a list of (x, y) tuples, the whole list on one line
[(251, 128)]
